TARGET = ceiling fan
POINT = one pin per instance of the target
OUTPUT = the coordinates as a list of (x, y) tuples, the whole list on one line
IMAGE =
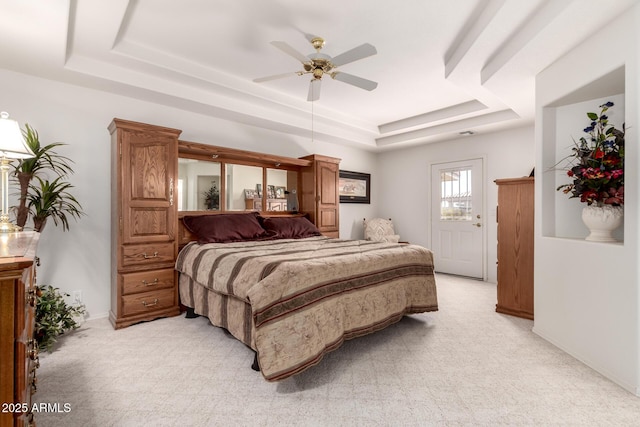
[(318, 64)]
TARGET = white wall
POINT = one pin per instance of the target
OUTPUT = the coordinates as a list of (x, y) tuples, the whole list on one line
[(404, 184), (586, 293), (80, 259)]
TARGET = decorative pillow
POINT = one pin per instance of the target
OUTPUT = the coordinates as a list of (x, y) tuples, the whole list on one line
[(296, 227), (380, 230), (225, 228)]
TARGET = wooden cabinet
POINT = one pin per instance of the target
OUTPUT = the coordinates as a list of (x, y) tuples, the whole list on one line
[(515, 216), (18, 349), (143, 222), (320, 197)]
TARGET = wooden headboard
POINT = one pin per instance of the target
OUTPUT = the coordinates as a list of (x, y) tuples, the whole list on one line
[(317, 180), (185, 236)]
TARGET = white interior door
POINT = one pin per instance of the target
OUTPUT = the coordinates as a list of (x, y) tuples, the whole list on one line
[(457, 223)]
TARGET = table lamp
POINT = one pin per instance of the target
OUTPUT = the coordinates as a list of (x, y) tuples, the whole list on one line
[(12, 146)]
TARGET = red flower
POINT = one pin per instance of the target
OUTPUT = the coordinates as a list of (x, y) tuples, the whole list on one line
[(598, 154), (589, 196), (616, 196)]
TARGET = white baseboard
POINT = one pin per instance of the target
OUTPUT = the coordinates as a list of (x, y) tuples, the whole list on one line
[(631, 388), (97, 316)]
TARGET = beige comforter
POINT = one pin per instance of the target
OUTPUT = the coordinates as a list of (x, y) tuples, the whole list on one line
[(308, 295)]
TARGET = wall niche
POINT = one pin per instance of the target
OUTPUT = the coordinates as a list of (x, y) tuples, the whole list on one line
[(563, 122)]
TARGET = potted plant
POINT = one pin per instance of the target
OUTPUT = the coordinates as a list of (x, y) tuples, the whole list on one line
[(42, 200), (54, 316), (596, 167), (52, 200), (45, 159), (212, 198)]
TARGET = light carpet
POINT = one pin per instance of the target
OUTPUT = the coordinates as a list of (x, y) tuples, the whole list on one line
[(463, 365)]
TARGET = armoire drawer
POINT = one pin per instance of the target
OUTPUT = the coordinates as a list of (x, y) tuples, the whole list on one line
[(145, 281), (148, 302), (147, 254)]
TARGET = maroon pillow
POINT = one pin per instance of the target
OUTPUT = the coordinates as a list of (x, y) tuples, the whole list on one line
[(296, 227), (225, 228)]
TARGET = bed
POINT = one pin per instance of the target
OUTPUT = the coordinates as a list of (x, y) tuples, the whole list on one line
[(293, 295)]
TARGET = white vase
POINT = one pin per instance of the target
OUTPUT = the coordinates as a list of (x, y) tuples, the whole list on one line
[(602, 221)]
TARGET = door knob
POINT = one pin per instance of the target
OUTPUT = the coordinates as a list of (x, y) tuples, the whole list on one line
[(477, 224)]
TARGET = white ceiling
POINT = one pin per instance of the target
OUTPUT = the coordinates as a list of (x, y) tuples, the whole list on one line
[(442, 67)]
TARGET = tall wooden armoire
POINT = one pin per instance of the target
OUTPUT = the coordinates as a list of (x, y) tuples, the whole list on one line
[(320, 197), (143, 222), (515, 216)]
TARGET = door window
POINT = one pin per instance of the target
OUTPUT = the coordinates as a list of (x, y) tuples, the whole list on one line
[(455, 195)]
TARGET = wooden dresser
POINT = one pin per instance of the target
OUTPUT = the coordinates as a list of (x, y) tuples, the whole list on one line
[(18, 349), (320, 193), (515, 216), (143, 222)]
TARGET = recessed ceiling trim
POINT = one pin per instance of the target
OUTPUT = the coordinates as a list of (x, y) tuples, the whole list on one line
[(433, 116), (457, 126), (470, 32), (534, 24)]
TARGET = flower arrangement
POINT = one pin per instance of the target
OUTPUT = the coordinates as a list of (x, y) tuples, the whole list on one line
[(597, 163)]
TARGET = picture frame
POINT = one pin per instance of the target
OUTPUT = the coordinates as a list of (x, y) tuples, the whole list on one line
[(259, 190), (250, 194), (355, 187), (271, 192), (280, 192)]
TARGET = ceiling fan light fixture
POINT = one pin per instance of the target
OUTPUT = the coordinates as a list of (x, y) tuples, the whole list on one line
[(319, 64), (317, 42)]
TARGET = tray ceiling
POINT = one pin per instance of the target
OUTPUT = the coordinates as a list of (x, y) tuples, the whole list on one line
[(442, 67)]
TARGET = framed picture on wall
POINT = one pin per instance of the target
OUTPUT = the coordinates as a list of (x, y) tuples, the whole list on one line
[(355, 187)]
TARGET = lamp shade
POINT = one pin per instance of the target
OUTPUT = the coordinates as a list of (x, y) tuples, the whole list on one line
[(12, 143)]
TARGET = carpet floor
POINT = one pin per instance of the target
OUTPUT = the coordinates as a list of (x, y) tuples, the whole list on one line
[(463, 365)]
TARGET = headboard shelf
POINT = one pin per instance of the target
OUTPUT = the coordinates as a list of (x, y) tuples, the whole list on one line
[(201, 151)]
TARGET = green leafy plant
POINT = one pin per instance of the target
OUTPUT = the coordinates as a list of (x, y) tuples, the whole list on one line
[(54, 316), (46, 159), (51, 199), (212, 198)]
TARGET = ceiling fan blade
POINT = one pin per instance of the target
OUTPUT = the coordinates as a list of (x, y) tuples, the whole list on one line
[(354, 54), (355, 80), (314, 90), (286, 48), (275, 77)]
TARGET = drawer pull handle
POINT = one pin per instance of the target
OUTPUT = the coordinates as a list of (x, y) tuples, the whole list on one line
[(155, 255), (150, 304), (154, 282), (31, 297), (33, 354), (171, 191)]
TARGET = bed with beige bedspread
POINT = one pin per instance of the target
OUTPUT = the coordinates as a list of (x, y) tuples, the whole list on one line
[(294, 300)]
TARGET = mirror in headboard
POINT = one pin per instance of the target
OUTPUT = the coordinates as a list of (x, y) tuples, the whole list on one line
[(242, 184), (199, 185), (241, 180)]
